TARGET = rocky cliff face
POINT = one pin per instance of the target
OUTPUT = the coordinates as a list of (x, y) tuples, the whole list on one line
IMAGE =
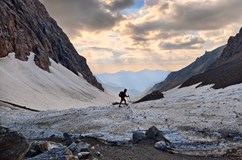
[(226, 70), (233, 51), (25, 26)]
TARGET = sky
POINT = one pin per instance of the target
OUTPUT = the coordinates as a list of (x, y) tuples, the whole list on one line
[(133, 35)]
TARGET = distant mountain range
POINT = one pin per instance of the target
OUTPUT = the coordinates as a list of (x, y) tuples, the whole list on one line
[(135, 82)]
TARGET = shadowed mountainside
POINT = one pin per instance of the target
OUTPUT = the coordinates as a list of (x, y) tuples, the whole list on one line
[(227, 69), (201, 64), (25, 26)]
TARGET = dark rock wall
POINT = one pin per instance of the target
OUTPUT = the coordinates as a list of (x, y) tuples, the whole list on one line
[(25, 26), (226, 70)]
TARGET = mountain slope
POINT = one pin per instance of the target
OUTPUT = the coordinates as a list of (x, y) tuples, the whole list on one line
[(25, 26), (227, 69), (201, 64), (25, 84)]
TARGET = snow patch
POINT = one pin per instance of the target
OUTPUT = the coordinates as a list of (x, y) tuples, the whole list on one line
[(24, 83)]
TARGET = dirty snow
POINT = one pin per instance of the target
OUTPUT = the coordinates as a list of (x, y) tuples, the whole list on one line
[(196, 120), (25, 84)]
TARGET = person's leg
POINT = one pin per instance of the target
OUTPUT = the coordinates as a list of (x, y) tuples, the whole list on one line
[(121, 102), (125, 102)]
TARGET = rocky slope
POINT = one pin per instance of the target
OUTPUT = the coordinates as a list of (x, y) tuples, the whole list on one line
[(199, 66), (226, 71), (25, 26)]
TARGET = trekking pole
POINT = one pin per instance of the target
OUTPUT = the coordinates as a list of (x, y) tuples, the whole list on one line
[(130, 101)]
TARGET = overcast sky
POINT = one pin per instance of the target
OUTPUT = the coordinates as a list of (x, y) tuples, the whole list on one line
[(116, 35)]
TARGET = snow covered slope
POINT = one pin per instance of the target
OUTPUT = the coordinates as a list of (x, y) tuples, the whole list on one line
[(136, 81), (26, 84)]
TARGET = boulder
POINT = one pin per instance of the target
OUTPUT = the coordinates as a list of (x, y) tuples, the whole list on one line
[(39, 147), (157, 135), (152, 96), (12, 145), (138, 136), (82, 155), (62, 153), (152, 133), (161, 145)]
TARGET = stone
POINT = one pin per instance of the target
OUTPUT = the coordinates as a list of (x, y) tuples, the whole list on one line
[(39, 147), (138, 136), (12, 144), (152, 96), (68, 139), (83, 155), (161, 145), (98, 153), (160, 137), (152, 133), (82, 146), (72, 147), (62, 153)]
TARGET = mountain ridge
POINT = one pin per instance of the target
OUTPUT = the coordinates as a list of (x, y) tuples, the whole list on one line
[(226, 70), (200, 65)]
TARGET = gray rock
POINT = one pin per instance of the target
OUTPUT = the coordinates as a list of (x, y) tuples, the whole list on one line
[(3, 130), (72, 147), (152, 133), (62, 153), (160, 137), (82, 147), (138, 136), (68, 139), (98, 153), (83, 155), (161, 145), (39, 147)]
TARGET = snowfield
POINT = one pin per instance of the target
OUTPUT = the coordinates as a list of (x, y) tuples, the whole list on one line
[(25, 84), (198, 121)]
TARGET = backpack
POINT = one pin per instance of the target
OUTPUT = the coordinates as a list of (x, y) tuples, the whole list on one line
[(120, 94)]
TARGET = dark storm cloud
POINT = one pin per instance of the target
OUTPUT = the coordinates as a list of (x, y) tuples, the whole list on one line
[(120, 5), (74, 15), (192, 43)]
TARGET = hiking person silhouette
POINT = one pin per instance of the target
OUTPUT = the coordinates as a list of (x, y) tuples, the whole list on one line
[(122, 95)]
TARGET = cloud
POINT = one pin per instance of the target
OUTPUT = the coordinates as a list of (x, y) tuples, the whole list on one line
[(119, 5), (183, 16), (184, 43), (151, 35), (78, 15)]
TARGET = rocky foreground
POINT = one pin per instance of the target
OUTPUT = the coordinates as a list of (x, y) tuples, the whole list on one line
[(200, 123)]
